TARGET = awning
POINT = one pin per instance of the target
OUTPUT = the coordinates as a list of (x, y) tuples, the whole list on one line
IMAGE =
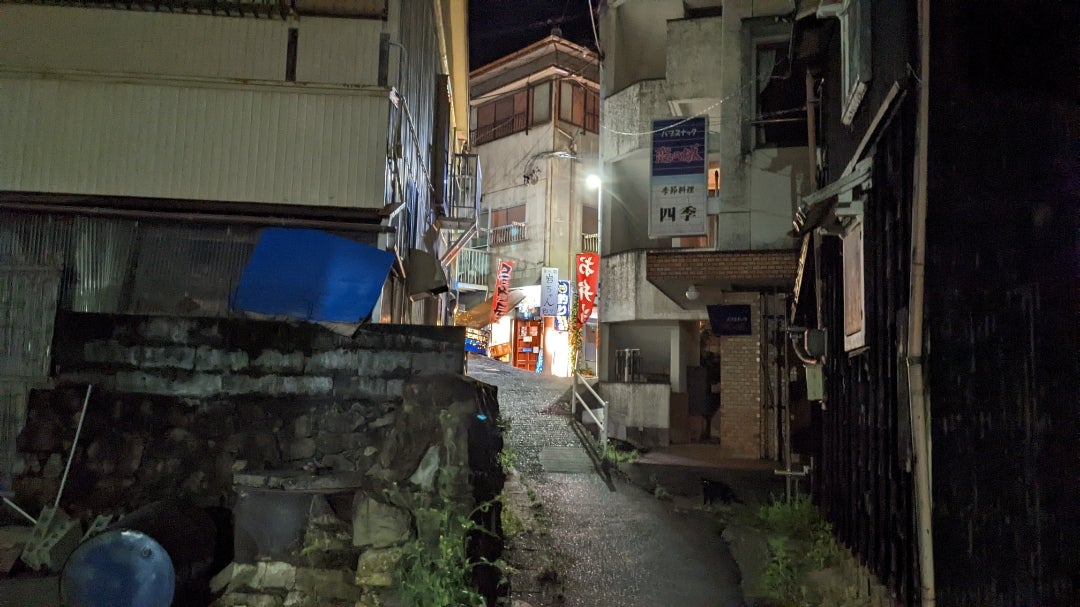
[(479, 316), (312, 275)]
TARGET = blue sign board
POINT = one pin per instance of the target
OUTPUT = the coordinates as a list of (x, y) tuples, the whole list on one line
[(562, 312), (679, 186), (730, 320)]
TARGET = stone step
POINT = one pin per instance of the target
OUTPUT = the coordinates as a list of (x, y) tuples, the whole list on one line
[(572, 460)]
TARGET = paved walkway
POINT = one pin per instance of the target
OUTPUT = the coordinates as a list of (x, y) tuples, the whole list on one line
[(620, 548)]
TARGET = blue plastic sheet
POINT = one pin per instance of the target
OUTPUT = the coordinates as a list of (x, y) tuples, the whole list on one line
[(312, 275)]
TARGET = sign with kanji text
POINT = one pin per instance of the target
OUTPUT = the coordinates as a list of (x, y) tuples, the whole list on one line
[(678, 180), (562, 312), (500, 303), (549, 291), (588, 275)]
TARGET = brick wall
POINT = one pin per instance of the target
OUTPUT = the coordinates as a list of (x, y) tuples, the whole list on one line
[(700, 266), (739, 417)]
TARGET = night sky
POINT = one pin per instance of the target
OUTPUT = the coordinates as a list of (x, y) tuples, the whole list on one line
[(500, 27)]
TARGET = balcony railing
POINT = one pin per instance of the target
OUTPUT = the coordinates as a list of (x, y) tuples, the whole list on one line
[(473, 267), (590, 243), (508, 234), (501, 128), (463, 186)]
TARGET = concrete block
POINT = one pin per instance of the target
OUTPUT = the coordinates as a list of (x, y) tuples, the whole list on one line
[(333, 360), (379, 525), (278, 362), (274, 575), (377, 567), (171, 357), (327, 584), (175, 330), (213, 359)]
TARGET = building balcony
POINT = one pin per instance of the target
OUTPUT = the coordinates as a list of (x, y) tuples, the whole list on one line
[(508, 234), (464, 182), (472, 270), (590, 243)]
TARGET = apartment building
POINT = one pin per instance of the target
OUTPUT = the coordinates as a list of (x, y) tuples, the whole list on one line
[(534, 127), (694, 275)]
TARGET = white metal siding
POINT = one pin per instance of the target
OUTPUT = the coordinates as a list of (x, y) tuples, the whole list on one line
[(290, 145), (97, 40), (338, 50), (71, 39)]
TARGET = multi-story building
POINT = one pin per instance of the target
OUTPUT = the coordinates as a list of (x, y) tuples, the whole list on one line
[(145, 148), (672, 373), (535, 122), (143, 145)]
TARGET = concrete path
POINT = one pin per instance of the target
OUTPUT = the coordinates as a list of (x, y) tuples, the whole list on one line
[(620, 548)]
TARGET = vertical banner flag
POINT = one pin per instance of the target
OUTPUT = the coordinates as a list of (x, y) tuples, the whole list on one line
[(678, 180), (549, 292), (500, 304), (562, 313), (588, 274)]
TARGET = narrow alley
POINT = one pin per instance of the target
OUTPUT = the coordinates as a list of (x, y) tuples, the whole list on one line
[(614, 546)]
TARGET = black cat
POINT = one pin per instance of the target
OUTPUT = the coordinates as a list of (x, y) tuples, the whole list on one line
[(714, 491)]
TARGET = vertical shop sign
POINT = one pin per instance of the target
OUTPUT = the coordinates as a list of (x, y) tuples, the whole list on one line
[(562, 312), (549, 292), (588, 274), (678, 179), (500, 304)]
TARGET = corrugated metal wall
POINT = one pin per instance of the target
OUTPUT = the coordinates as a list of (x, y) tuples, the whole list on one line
[(121, 266), (253, 144), (55, 38)]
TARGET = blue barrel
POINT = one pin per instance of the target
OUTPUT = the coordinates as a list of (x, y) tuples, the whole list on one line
[(119, 568)]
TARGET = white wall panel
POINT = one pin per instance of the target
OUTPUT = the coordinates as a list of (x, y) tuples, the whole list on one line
[(293, 145), (338, 50), (97, 40), (63, 39)]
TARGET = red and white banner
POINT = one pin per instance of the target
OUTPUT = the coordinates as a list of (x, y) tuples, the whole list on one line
[(500, 304), (588, 275)]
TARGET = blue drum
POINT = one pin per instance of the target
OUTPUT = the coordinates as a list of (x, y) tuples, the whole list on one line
[(119, 568)]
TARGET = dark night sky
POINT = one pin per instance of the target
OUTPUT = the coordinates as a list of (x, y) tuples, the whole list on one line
[(500, 27)]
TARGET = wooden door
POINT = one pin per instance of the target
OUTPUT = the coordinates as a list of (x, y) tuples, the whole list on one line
[(528, 338)]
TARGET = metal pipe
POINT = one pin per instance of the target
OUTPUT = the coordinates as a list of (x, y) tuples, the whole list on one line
[(920, 417), (74, 444), (16, 508), (811, 131), (786, 403), (778, 120)]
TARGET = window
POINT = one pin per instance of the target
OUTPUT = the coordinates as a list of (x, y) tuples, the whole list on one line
[(511, 113), (579, 105), (854, 16), (714, 178), (779, 96), (507, 226)]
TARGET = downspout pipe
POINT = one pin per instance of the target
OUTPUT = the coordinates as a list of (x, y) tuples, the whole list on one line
[(919, 399)]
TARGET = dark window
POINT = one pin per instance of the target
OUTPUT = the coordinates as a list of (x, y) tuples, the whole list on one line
[(780, 97), (512, 113), (508, 216), (290, 54), (579, 105)]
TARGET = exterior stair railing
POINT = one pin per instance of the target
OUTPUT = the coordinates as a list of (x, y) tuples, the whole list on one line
[(600, 419)]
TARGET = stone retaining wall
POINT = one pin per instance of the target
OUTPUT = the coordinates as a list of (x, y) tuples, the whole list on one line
[(179, 404)]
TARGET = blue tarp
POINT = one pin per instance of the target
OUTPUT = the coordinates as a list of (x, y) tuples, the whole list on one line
[(312, 275)]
